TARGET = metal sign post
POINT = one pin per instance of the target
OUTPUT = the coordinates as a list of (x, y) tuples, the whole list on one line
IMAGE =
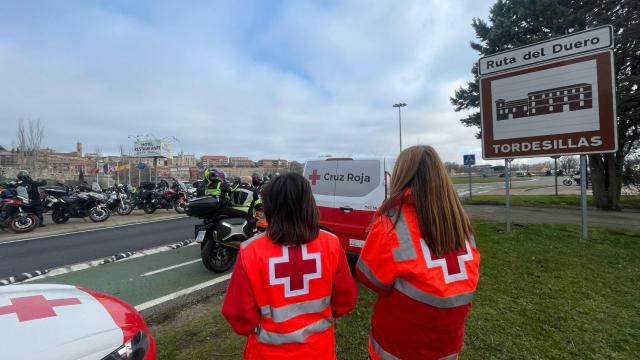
[(470, 196), (469, 161), (507, 185), (583, 195), (555, 165), (555, 169)]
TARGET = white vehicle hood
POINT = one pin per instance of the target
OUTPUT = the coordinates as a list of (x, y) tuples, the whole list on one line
[(54, 322)]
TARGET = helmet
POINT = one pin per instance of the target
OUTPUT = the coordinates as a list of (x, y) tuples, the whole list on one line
[(256, 180), (213, 174), (23, 175)]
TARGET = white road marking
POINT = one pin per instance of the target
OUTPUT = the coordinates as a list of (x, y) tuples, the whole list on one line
[(177, 294), (88, 230), (170, 267)]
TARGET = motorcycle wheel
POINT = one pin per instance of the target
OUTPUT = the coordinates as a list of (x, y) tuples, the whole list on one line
[(99, 214), (125, 208), (149, 209), (24, 224), (217, 258), (567, 182), (58, 216), (178, 206)]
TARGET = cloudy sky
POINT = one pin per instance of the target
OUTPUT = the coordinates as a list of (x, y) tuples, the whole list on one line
[(264, 79)]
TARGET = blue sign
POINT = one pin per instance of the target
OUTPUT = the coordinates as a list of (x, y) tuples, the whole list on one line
[(469, 159), (140, 166)]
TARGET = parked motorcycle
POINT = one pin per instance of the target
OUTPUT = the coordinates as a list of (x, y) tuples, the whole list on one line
[(575, 179), (16, 213), (166, 198), (79, 205), (119, 202)]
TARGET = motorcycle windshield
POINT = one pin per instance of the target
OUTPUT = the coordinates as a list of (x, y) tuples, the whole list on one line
[(180, 184)]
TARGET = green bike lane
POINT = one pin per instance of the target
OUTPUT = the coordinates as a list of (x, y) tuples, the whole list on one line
[(143, 279)]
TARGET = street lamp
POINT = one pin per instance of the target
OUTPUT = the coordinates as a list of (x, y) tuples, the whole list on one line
[(399, 106)]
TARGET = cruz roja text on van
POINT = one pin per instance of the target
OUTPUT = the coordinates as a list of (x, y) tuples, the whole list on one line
[(558, 144), (544, 51), (362, 178)]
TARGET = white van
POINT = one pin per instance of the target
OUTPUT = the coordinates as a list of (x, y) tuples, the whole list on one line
[(348, 191)]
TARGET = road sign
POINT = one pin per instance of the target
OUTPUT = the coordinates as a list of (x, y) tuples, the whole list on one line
[(469, 159), (555, 97), (556, 108), (553, 49)]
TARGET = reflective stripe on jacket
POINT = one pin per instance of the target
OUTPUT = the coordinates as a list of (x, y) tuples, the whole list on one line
[(296, 292), (214, 188), (423, 299)]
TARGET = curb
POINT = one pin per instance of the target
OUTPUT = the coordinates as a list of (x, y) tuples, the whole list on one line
[(41, 274)]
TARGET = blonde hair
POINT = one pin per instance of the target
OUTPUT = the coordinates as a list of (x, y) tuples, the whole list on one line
[(444, 224)]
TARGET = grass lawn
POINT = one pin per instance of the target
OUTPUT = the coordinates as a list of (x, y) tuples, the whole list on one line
[(543, 293), (460, 179), (626, 201)]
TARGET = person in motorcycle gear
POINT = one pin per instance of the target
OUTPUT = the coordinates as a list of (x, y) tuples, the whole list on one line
[(256, 181), (213, 183), (25, 179)]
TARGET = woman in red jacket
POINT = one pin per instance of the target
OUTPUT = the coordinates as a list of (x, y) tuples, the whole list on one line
[(291, 282), (420, 257)]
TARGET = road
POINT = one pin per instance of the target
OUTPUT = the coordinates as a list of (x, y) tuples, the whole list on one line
[(76, 245), (59, 250), (480, 188)]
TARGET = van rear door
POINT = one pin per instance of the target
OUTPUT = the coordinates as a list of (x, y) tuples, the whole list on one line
[(359, 190)]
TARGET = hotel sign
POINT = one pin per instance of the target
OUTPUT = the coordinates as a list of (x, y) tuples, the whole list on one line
[(152, 148), (560, 107)]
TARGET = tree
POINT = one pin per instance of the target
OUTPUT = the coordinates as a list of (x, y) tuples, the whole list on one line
[(29, 141), (452, 165), (568, 163), (514, 23)]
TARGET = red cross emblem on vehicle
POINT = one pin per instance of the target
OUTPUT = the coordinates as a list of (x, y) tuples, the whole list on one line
[(35, 307), (452, 264), (314, 177), (294, 269)]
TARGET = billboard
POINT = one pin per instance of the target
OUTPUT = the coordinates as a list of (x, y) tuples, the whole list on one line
[(560, 107), (152, 148)]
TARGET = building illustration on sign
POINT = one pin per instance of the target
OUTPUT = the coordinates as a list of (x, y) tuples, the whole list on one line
[(566, 98)]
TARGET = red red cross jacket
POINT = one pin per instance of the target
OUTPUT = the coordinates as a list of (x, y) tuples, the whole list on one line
[(284, 298), (423, 300)]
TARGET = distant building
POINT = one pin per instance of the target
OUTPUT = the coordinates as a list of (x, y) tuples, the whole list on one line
[(296, 167), (184, 160), (239, 161), (273, 164), (483, 169), (214, 160), (8, 158)]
